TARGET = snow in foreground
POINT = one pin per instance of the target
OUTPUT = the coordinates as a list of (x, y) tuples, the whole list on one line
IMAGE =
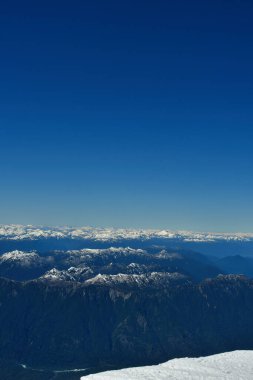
[(236, 365)]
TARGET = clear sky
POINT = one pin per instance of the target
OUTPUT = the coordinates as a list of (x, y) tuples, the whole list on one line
[(127, 113)]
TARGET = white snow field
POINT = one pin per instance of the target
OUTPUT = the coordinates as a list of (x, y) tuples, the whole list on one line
[(235, 365)]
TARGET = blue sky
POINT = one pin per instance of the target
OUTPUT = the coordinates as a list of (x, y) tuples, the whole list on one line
[(127, 114)]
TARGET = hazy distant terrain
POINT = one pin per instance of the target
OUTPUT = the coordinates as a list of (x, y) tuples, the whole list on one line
[(49, 238)]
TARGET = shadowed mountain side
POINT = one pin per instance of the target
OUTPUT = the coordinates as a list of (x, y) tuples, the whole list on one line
[(123, 322), (236, 265)]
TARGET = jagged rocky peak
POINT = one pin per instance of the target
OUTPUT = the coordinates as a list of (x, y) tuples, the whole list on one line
[(135, 268), (71, 274)]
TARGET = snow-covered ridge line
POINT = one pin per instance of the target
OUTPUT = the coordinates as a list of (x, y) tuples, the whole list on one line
[(73, 274), (233, 365), (153, 278), (21, 257), (29, 232)]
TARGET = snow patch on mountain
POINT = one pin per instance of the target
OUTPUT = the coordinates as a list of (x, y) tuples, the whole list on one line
[(235, 365)]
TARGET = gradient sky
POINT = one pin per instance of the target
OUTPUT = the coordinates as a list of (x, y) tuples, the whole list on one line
[(127, 113)]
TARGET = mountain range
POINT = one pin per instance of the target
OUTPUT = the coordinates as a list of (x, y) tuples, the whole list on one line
[(73, 305), (44, 239)]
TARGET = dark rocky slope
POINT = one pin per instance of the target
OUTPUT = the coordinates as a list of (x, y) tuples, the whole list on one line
[(236, 265), (123, 322)]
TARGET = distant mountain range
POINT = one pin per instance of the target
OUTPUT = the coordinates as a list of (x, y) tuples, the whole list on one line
[(44, 239), (20, 232), (85, 264)]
